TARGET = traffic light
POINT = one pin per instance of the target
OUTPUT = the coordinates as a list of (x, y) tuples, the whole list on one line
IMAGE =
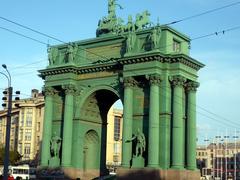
[(5, 92), (17, 92), (4, 98)]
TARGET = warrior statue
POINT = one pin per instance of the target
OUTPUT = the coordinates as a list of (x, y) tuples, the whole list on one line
[(140, 143), (55, 145)]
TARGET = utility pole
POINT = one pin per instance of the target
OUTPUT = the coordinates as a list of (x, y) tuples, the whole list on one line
[(8, 129)]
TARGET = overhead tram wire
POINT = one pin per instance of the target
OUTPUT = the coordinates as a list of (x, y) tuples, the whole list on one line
[(49, 36), (203, 13), (33, 39), (216, 33), (14, 32)]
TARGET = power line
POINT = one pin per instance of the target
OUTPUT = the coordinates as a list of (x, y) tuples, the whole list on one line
[(203, 13), (216, 33), (14, 32), (46, 35)]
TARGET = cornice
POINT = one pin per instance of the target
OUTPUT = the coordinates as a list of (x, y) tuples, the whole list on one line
[(117, 63)]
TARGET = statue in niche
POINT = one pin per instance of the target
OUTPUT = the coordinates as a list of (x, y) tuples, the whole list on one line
[(71, 52), (155, 37), (55, 145), (52, 55), (131, 40), (140, 143)]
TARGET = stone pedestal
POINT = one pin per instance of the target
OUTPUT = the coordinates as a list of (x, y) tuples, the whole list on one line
[(138, 162), (54, 162), (156, 174)]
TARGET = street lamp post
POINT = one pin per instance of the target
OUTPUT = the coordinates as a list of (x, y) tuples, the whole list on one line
[(8, 126)]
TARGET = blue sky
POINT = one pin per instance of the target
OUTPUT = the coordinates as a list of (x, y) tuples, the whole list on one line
[(71, 20)]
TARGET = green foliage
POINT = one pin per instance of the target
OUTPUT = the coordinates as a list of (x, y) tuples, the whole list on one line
[(14, 156)]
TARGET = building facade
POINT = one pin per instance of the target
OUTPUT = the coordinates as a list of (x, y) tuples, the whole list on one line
[(220, 160), (114, 137), (26, 126)]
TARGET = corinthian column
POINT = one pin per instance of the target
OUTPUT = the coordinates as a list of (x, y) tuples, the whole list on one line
[(191, 88), (47, 125), (127, 121), (153, 138), (177, 126), (67, 125)]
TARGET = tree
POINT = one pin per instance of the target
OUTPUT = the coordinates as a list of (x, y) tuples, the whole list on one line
[(14, 156)]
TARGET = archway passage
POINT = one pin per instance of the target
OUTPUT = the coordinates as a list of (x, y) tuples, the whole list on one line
[(90, 156)]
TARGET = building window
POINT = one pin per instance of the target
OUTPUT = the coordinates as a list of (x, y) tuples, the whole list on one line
[(38, 126), (27, 149), (176, 46), (116, 148), (22, 118), (29, 120), (38, 140), (20, 148), (117, 121), (28, 135), (21, 134)]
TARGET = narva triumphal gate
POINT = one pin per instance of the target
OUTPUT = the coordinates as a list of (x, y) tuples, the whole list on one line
[(149, 69)]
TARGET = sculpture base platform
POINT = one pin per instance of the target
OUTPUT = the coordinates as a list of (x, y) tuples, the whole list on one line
[(54, 162), (138, 162), (156, 174), (67, 173)]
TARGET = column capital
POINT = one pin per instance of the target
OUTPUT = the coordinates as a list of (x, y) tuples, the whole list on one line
[(69, 89), (129, 82), (49, 91), (177, 80), (192, 86), (155, 79)]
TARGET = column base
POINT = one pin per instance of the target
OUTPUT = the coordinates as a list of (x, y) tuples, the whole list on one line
[(192, 168), (177, 167), (156, 174)]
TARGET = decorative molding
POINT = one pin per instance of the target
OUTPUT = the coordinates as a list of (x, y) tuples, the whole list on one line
[(129, 82), (49, 91), (191, 86), (177, 80), (155, 79), (70, 89), (115, 64)]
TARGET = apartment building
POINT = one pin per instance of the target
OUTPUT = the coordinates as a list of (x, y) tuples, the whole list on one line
[(221, 160), (26, 125)]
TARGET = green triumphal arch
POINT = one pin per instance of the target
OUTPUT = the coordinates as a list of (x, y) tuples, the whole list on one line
[(149, 69)]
